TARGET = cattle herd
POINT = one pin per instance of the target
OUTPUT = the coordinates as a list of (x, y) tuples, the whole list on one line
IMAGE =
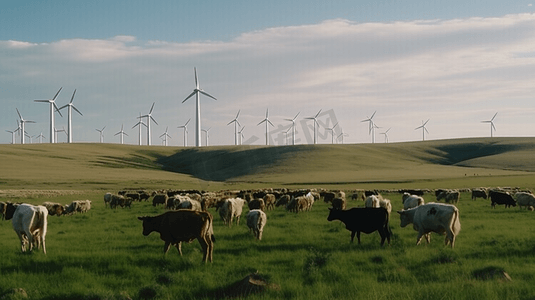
[(187, 218)]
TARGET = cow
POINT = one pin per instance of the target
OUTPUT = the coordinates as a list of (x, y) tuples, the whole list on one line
[(479, 193), (525, 199), (160, 199), (231, 208), (54, 209), (410, 201), (256, 220), (339, 203), (257, 204), (30, 224), (80, 206), (283, 200), (180, 226), (372, 201), (269, 201), (365, 220), (433, 217), (450, 196), (498, 197)]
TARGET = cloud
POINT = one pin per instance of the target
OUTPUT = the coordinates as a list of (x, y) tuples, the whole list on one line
[(451, 71)]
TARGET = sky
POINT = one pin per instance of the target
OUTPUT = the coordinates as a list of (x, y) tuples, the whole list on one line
[(452, 63)]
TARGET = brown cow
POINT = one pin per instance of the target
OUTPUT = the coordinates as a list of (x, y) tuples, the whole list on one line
[(182, 226)]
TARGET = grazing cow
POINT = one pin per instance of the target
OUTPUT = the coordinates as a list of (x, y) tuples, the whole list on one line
[(372, 201), (180, 226), (143, 196), (257, 204), (410, 201), (54, 209), (256, 220), (30, 224), (365, 220), (479, 193), (231, 208), (309, 201), (433, 217), (190, 204), (525, 199), (119, 200), (10, 210), (386, 204), (497, 197), (328, 197), (269, 201), (283, 200), (107, 199), (339, 203), (160, 199), (450, 196), (80, 206)]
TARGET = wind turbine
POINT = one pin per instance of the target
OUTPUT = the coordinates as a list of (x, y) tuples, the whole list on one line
[(139, 124), (69, 117), (268, 122), (12, 136), (59, 130), (332, 132), (236, 123), (122, 133), (185, 126), (206, 132), (424, 130), (293, 127), (165, 136), (149, 117), (41, 137), (101, 131), (240, 134), (197, 92), (341, 135), (22, 122), (371, 126), (386, 134), (491, 121), (315, 122), (52, 106), (286, 135)]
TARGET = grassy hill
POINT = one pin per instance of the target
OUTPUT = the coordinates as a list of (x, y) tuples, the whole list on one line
[(443, 163)]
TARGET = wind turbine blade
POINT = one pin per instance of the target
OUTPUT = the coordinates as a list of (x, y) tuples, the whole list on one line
[(335, 125), (153, 120), (271, 123), (296, 116), (261, 122), (55, 106), (63, 106), (53, 99), (76, 110), (18, 113), (72, 98), (193, 93), (238, 114), (426, 122), (196, 81), (206, 94), (41, 100), (492, 124), (494, 117), (373, 115), (319, 112), (152, 107), (187, 122)]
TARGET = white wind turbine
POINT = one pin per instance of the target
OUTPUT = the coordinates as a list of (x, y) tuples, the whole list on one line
[(101, 131), (185, 126), (69, 117), (149, 117), (386, 134), (59, 130), (122, 133), (491, 121), (206, 134), (139, 124), (315, 118), (12, 136), (22, 122), (293, 127), (424, 130), (268, 122), (332, 132), (165, 135), (197, 92), (52, 106), (286, 135), (236, 123), (341, 135), (371, 126), (240, 135), (41, 137)]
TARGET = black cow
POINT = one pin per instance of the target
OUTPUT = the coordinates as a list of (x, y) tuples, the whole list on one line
[(365, 220), (180, 226), (497, 197)]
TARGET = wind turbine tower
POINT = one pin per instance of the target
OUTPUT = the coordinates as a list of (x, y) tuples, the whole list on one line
[(315, 118), (236, 124), (149, 118), (52, 106), (165, 136), (371, 126), (293, 127), (185, 126), (332, 132), (386, 134), (197, 92), (424, 130), (22, 122), (240, 135), (268, 122), (101, 131), (69, 117), (206, 133), (122, 133), (139, 124), (491, 121)]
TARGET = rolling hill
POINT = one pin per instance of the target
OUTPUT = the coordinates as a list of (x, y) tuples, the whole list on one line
[(442, 163)]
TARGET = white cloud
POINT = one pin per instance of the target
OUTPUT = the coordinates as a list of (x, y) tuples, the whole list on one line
[(407, 71)]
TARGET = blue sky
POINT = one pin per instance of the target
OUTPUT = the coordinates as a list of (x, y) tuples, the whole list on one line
[(453, 62)]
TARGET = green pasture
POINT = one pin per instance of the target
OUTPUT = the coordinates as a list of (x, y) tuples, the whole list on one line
[(103, 255)]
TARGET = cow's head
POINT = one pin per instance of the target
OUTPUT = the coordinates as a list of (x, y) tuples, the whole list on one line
[(404, 217), (334, 214), (148, 225)]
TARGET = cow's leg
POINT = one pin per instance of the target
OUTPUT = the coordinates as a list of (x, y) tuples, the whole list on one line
[(419, 238), (352, 236), (428, 238), (22, 241), (166, 247), (179, 247), (383, 237), (358, 236)]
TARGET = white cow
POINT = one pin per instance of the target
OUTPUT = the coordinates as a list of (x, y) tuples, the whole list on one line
[(433, 217), (231, 208), (256, 220), (410, 201), (372, 201), (524, 199), (386, 204), (30, 224)]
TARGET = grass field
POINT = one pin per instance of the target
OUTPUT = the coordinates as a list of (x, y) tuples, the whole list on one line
[(103, 255)]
